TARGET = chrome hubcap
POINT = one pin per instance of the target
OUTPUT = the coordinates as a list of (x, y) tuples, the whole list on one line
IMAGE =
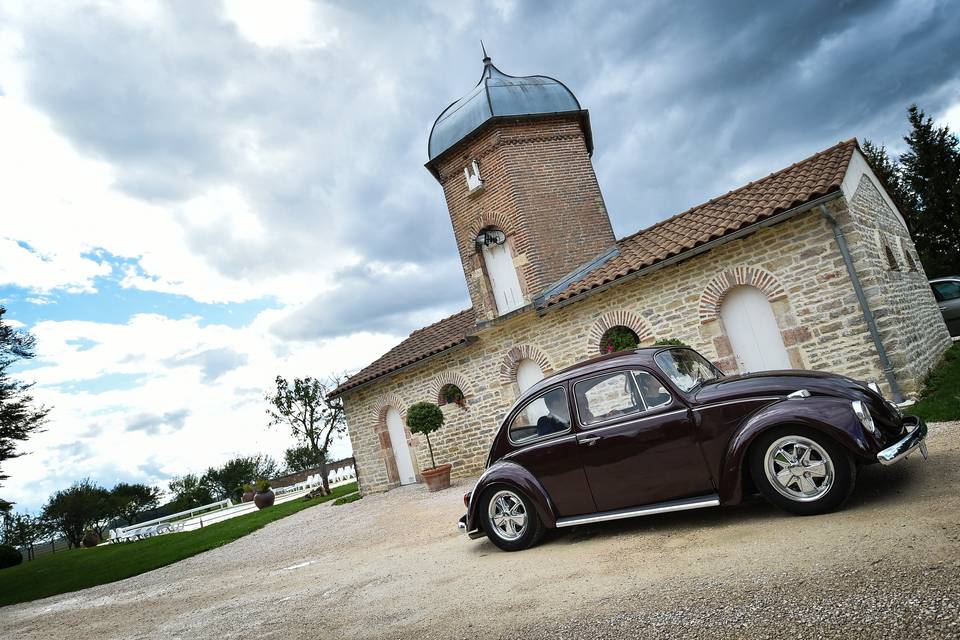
[(507, 514), (799, 468)]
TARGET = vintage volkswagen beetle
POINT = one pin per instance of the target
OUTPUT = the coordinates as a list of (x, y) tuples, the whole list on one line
[(661, 429)]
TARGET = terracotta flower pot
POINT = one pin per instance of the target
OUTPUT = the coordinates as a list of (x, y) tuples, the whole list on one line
[(247, 496), (437, 478), (263, 500)]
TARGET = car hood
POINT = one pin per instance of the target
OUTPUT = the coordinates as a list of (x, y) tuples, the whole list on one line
[(781, 383)]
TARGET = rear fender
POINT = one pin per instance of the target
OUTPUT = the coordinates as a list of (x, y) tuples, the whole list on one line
[(831, 416), (511, 474)]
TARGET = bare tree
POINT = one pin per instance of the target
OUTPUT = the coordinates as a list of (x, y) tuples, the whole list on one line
[(313, 416)]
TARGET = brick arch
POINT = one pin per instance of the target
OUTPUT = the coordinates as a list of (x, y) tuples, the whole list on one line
[(487, 219), (717, 289), (383, 403), (508, 367), (612, 319), (450, 377)]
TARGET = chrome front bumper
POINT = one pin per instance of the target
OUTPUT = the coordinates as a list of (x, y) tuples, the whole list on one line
[(907, 445)]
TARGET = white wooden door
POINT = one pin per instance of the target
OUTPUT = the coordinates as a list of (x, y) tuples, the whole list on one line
[(503, 278), (753, 331), (401, 452), (529, 373)]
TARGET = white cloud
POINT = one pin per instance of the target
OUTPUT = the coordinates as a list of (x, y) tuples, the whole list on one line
[(174, 415), (284, 23)]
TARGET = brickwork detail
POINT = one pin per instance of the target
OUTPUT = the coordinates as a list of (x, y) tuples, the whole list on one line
[(455, 378), (619, 318), (508, 367), (540, 189), (715, 291)]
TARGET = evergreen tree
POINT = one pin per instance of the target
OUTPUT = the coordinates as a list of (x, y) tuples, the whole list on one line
[(925, 183), (20, 417)]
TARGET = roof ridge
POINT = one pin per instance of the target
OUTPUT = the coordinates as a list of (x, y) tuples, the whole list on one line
[(740, 188)]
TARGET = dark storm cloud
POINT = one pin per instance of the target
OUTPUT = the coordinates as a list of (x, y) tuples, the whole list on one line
[(213, 362), (368, 300), (687, 101), (154, 423)]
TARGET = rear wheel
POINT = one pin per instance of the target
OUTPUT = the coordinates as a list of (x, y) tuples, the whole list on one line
[(510, 519), (801, 470)]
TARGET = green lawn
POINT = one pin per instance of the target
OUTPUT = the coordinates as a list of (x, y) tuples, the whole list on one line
[(82, 568), (353, 497), (941, 397)]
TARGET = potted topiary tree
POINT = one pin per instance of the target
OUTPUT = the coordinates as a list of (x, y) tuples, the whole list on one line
[(248, 493), (90, 538), (425, 418), (264, 496)]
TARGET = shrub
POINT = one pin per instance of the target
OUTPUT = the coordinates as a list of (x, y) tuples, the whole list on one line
[(425, 418), (9, 556), (671, 342), (247, 488), (263, 486)]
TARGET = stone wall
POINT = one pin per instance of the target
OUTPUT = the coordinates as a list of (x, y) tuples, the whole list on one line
[(795, 263), (908, 319)]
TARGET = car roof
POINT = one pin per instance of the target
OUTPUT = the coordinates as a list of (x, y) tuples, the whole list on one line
[(641, 356)]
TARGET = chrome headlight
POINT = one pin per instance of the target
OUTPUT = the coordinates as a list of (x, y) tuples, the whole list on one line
[(863, 414)]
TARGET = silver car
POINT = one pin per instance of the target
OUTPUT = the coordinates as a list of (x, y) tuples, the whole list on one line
[(947, 293)]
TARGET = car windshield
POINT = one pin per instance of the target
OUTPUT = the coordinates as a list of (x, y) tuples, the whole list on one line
[(686, 368)]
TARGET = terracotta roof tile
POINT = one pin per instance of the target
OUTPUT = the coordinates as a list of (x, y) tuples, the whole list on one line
[(799, 183), (420, 344)]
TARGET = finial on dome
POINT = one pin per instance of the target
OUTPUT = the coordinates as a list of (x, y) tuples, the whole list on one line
[(486, 58)]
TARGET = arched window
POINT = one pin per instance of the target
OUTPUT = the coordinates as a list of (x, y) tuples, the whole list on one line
[(529, 373), (619, 338), (451, 394), (498, 260)]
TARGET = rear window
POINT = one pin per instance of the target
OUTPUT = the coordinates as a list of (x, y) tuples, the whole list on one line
[(545, 415)]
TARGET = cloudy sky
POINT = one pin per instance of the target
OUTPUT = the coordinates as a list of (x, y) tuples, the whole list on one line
[(198, 196)]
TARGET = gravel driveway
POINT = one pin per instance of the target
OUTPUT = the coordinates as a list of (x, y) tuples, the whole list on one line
[(392, 565)]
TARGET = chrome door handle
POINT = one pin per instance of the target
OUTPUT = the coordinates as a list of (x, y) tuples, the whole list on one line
[(589, 441)]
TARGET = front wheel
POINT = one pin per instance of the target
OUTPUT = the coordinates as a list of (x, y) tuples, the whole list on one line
[(801, 470), (510, 519)]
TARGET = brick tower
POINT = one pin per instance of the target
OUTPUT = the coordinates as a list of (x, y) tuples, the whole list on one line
[(513, 157)]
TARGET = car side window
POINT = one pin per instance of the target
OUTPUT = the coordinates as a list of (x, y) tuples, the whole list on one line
[(544, 415), (652, 391), (949, 290), (606, 397)]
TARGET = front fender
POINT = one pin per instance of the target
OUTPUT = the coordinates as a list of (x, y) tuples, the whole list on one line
[(831, 416), (511, 473)]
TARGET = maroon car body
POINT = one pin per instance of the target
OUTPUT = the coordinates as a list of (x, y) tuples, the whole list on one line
[(687, 451)]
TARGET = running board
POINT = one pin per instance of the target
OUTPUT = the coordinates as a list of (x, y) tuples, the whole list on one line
[(648, 510)]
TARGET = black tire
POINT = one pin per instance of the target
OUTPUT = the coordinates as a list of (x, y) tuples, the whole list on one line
[(840, 467), (532, 530)]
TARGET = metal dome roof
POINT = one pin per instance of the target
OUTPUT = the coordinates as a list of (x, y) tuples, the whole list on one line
[(499, 95)]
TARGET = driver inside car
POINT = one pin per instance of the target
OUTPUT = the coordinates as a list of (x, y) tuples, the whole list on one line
[(556, 420)]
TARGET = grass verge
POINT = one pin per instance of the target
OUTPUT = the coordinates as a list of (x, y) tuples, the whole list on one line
[(353, 497), (82, 568), (940, 401)]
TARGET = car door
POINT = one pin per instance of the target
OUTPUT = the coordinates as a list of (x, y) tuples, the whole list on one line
[(637, 442), (947, 293), (542, 434)]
